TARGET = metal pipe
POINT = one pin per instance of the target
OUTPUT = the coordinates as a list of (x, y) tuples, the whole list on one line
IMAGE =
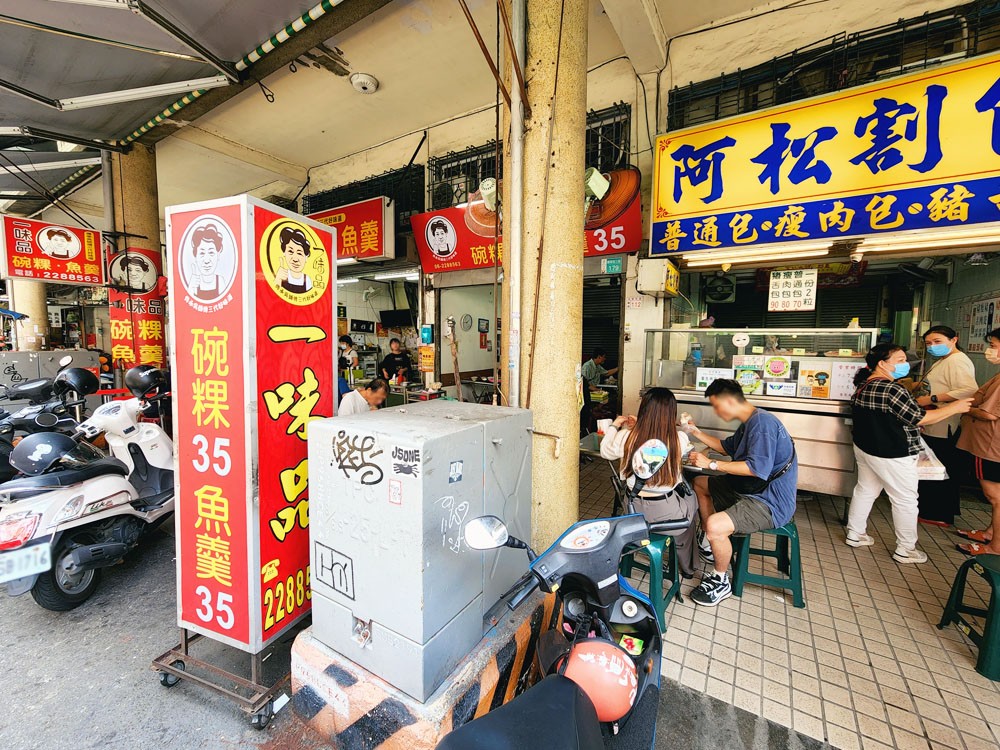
[(516, 208), (165, 25), (515, 55), (486, 54)]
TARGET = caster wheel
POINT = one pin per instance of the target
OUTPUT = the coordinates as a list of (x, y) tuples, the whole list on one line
[(169, 680), (263, 717)]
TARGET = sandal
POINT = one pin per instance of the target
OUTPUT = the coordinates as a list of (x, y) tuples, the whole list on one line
[(975, 536), (973, 549)]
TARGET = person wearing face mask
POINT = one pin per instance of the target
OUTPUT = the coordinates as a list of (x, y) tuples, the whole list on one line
[(981, 437), (951, 377), (348, 352), (886, 419)]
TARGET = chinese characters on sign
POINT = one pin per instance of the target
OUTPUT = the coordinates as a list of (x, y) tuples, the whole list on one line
[(39, 251), (985, 317), (365, 230), (138, 331), (792, 290), (919, 152)]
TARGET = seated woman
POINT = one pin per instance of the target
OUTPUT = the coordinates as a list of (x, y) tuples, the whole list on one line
[(666, 495)]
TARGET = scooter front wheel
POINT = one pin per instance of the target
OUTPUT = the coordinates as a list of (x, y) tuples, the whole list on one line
[(59, 591)]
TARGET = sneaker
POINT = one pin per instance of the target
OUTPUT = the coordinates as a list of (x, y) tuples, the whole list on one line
[(713, 589), (704, 548), (902, 555), (859, 540)]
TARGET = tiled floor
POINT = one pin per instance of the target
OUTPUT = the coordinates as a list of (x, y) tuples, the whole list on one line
[(863, 666)]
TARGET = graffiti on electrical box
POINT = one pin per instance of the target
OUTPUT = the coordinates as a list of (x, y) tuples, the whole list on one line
[(353, 455)]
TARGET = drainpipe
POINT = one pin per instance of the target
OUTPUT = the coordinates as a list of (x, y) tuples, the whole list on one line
[(517, 22)]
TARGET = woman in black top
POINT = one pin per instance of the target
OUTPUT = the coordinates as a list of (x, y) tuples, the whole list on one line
[(886, 444)]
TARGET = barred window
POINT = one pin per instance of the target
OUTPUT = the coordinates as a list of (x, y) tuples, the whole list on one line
[(404, 186)]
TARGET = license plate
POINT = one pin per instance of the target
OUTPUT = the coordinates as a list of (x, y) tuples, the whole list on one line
[(28, 561)]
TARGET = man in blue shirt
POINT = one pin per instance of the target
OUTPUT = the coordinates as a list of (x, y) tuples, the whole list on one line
[(752, 492)]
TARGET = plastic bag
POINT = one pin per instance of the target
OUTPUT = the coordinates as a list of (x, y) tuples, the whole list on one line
[(929, 466)]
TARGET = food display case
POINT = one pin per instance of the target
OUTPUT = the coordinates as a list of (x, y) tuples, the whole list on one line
[(804, 376)]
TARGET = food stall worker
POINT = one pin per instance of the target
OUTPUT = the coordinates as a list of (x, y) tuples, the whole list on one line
[(666, 496), (593, 369), (396, 362), (981, 437), (951, 377), (367, 399), (886, 446), (348, 352)]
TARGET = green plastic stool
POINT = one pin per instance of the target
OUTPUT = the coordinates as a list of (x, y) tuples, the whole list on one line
[(659, 547), (788, 563), (988, 567)]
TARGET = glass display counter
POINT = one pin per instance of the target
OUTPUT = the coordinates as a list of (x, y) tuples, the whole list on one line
[(805, 377)]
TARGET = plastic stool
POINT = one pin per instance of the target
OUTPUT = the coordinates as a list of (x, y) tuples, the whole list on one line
[(658, 548), (789, 564), (988, 567)]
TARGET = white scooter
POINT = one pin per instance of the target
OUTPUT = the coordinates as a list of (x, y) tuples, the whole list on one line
[(76, 511)]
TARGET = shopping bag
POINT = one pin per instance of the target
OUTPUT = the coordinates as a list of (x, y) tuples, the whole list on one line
[(929, 466)]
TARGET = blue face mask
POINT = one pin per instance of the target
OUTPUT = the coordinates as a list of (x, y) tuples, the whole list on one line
[(901, 370), (938, 350)]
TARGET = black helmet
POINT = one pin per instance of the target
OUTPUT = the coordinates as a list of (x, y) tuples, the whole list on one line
[(40, 452), (84, 382), (141, 380)]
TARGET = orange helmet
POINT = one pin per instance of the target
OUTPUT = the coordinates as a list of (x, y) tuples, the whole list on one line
[(606, 673)]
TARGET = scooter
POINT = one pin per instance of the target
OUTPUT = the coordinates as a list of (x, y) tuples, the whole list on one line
[(602, 669), (76, 511)]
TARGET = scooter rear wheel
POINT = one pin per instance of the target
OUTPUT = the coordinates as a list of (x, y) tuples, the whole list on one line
[(57, 592)]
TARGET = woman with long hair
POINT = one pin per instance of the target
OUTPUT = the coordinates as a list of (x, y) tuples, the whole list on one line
[(951, 377), (666, 495), (886, 444)]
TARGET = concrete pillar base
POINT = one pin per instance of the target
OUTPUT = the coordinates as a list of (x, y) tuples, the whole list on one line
[(355, 710)]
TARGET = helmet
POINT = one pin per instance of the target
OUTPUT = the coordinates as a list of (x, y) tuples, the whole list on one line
[(84, 382), (606, 673), (38, 453), (142, 379)]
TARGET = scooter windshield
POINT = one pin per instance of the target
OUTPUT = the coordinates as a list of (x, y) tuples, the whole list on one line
[(82, 453)]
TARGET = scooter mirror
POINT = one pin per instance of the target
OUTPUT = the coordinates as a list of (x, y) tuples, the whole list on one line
[(45, 419), (486, 532), (649, 458), (66, 361)]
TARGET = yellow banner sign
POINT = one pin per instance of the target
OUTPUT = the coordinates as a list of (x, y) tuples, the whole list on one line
[(912, 152)]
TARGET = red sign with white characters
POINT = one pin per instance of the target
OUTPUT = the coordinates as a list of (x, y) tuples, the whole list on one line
[(365, 230), (623, 235), (40, 251), (138, 330), (247, 276), (296, 383)]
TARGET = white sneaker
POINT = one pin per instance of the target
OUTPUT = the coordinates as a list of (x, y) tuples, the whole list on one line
[(909, 556), (859, 540)]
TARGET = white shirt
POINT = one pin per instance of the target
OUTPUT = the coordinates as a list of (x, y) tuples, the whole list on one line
[(613, 448), (955, 375), (353, 403)]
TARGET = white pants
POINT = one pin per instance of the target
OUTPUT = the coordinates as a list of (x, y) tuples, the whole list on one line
[(898, 477)]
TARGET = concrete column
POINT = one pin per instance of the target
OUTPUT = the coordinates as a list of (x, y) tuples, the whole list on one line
[(551, 250), (28, 297), (137, 209)]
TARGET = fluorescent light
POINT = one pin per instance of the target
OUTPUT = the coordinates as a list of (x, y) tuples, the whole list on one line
[(737, 252), (121, 4), (346, 261), (341, 282), (718, 260), (146, 92), (408, 275), (51, 165)]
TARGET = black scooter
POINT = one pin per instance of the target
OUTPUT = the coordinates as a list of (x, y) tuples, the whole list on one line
[(601, 682)]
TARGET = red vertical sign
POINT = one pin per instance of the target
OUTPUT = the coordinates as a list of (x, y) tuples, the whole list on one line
[(214, 503), (137, 315), (296, 383)]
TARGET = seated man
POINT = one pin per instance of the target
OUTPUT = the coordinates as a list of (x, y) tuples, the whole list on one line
[(753, 492), (362, 401), (593, 369)]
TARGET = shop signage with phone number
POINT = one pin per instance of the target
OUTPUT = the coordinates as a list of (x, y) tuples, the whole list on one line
[(242, 501), (39, 251), (916, 152)]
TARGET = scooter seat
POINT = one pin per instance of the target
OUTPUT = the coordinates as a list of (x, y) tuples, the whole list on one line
[(29, 486), (33, 390), (555, 714)]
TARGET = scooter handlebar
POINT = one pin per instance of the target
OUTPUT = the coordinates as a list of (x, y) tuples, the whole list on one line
[(677, 524), (521, 596)]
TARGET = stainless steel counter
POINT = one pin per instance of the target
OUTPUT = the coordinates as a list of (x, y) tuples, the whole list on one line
[(821, 431)]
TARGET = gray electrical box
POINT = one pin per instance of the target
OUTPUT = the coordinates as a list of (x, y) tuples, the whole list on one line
[(394, 587)]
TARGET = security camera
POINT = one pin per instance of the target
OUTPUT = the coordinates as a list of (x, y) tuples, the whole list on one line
[(857, 256)]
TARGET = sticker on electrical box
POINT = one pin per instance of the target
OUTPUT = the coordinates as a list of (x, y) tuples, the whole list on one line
[(406, 461), (395, 492), (335, 570), (455, 471)]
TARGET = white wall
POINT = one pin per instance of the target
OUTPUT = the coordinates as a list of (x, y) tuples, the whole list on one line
[(476, 301)]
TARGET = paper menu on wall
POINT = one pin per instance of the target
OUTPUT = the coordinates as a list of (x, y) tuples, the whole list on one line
[(815, 378), (842, 379), (708, 375)]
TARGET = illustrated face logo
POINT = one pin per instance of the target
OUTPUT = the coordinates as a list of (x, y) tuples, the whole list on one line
[(294, 261), (132, 271), (59, 243), (208, 259), (441, 238)]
